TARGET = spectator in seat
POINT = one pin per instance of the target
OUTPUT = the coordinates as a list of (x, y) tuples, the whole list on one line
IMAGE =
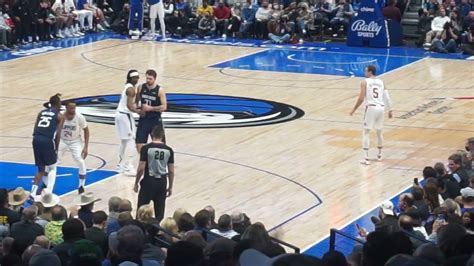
[(80, 16), (224, 227), (86, 252), (392, 12), (305, 18), (437, 27), (170, 225), (406, 223), (120, 22), (46, 21), (414, 214), (258, 237), (169, 8), (464, 8), (431, 196), (204, 8), (124, 218), (468, 48), (43, 241), (177, 214), (222, 15), (467, 195), (280, 32), (378, 249), (126, 206), (86, 202), (45, 257), (30, 252), (248, 19), (448, 236), (235, 21), (263, 15), (27, 227), (456, 21), (420, 203), (97, 233), (98, 13), (387, 220), (131, 243), (405, 202), (322, 10), (73, 230), (64, 19), (468, 221), (343, 13), (184, 253), (185, 223), (114, 211), (212, 212), (145, 213), (7, 215), (455, 160), (53, 229), (206, 26), (203, 221)]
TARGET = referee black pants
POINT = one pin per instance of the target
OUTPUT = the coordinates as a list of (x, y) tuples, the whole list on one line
[(153, 189)]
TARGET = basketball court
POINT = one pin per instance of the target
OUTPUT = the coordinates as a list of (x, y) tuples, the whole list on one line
[(263, 129)]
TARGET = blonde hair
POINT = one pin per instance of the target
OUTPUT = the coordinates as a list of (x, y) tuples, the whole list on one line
[(144, 213), (178, 213), (169, 224)]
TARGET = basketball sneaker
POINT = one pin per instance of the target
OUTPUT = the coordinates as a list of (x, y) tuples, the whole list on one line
[(365, 161), (80, 190)]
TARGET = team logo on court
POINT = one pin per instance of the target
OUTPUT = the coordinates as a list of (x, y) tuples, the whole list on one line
[(197, 111)]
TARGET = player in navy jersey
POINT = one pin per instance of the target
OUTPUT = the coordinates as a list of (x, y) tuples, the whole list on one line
[(152, 99), (46, 135)]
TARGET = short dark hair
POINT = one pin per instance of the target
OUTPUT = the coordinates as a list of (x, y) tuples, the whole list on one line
[(99, 217), (73, 228), (55, 100), (58, 213), (439, 168), (333, 258), (224, 222), (372, 69), (456, 158), (202, 218), (185, 222), (429, 171), (151, 72), (157, 132)]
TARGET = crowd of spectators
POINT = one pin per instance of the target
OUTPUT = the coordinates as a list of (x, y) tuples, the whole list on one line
[(447, 27), (433, 224)]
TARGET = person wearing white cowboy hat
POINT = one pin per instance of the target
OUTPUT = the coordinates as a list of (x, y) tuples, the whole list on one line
[(17, 197), (86, 202), (49, 199)]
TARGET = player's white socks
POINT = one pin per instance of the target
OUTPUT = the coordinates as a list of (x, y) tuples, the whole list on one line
[(82, 182), (51, 177), (34, 188), (126, 154)]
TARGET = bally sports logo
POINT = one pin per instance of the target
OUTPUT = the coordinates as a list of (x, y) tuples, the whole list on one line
[(366, 30)]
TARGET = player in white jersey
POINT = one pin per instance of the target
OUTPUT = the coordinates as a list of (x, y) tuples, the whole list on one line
[(71, 140), (377, 100), (125, 124)]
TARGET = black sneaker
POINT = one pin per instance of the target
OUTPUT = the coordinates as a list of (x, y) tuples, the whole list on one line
[(80, 190)]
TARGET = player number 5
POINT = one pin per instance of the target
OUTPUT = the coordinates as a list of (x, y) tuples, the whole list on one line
[(375, 93), (44, 121)]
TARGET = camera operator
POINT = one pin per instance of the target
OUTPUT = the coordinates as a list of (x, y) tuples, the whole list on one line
[(446, 41)]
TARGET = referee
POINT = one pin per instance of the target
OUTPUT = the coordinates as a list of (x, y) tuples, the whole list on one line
[(157, 168)]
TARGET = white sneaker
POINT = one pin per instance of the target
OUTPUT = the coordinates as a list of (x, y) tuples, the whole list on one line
[(130, 173), (67, 33), (365, 161), (100, 28), (224, 36), (60, 35)]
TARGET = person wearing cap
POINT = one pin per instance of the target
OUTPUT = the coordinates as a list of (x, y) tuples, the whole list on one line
[(46, 136), (86, 202), (224, 227), (17, 198), (467, 195), (7, 215), (157, 169), (125, 124), (388, 220)]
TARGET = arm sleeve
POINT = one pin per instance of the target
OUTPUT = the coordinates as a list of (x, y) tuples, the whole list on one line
[(171, 159), (387, 101), (143, 154)]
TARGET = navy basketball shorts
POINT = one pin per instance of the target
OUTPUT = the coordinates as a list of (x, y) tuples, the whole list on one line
[(44, 151), (144, 128)]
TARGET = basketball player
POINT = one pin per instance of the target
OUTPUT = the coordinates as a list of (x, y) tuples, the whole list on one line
[(157, 9), (125, 124), (46, 135), (157, 168), (74, 124), (152, 99), (377, 99)]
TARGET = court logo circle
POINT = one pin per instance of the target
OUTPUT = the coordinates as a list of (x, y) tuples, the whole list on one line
[(197, 110)]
